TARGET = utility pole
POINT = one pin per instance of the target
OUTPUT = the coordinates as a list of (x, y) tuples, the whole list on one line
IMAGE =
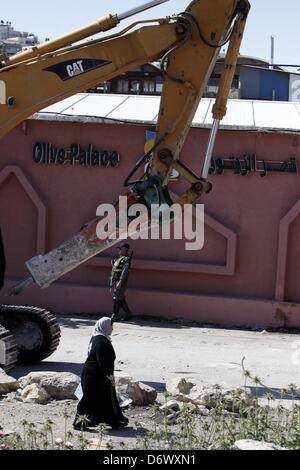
[(272, 51)]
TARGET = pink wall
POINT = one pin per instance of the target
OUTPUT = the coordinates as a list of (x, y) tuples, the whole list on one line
[(248, 271)]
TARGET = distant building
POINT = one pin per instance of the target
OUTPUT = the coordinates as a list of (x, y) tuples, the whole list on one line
[(264, 84), (12, 41), (212, 87), (144, 80), (253, 79)]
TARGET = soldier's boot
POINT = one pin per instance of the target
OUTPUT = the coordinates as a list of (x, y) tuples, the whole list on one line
[(128, 313), (116, 308)]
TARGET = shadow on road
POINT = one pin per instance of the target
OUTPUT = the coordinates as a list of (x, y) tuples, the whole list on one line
[(127, 432), (158, 386), (88, 320), (78, 320), (76, 323), (21, 371), (275, 393)]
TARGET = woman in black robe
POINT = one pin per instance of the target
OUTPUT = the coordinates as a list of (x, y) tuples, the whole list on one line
[(99, 403)]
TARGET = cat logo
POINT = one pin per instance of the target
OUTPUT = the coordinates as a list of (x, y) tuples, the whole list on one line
[(75, 69), (72, 68)]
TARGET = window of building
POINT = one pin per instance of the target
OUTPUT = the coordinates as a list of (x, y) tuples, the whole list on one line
[(149, 86), (135, 87), (123, 86)]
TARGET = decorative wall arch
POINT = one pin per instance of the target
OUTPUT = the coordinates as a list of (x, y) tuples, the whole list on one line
[(284, 226), (34, 197)]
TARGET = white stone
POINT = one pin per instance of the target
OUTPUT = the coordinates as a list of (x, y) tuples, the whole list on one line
[(138, 392), (200, 395), (34, 393), (141, 394), (248, 444), (59, 385), (170, 406), (207, 395), (69, 445), (7, 384), (179, 385), (195, 395)]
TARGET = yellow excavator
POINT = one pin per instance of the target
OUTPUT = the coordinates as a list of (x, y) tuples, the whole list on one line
[(187, 46)]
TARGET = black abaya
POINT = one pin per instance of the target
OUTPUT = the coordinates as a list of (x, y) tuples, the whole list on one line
[(99, 402)]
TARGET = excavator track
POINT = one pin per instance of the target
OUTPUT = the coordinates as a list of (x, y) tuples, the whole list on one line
[(36, 331), (8, 350)]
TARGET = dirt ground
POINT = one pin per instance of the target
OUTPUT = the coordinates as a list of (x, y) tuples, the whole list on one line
[(14, 413)]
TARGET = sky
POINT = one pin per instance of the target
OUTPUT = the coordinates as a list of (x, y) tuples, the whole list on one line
[(267, 17)]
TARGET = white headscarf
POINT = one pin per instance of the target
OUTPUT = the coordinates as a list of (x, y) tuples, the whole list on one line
[(101, 328)]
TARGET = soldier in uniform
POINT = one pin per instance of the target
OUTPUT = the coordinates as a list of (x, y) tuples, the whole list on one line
[(118, 283)]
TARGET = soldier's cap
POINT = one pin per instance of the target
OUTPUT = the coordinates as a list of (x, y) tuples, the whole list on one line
[(124, 245)]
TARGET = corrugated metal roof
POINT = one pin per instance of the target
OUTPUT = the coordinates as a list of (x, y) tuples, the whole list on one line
[(272, 116)]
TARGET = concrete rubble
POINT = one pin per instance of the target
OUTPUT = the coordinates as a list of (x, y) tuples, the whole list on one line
[(58, 385), (34, 393), (140, 393), (170, 406), (172, 409), (7, 384), (179, 386), (182, 390)]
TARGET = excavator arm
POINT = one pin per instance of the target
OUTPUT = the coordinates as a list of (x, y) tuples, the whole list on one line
[(187, 44)]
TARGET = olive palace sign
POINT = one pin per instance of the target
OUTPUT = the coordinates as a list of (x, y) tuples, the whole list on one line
[(89, 156), (252, 164), (46, 153)]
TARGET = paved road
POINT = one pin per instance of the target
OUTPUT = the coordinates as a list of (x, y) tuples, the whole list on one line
[(154, 352)]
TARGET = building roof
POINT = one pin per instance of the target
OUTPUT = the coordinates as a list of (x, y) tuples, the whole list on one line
[(266, 116)]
